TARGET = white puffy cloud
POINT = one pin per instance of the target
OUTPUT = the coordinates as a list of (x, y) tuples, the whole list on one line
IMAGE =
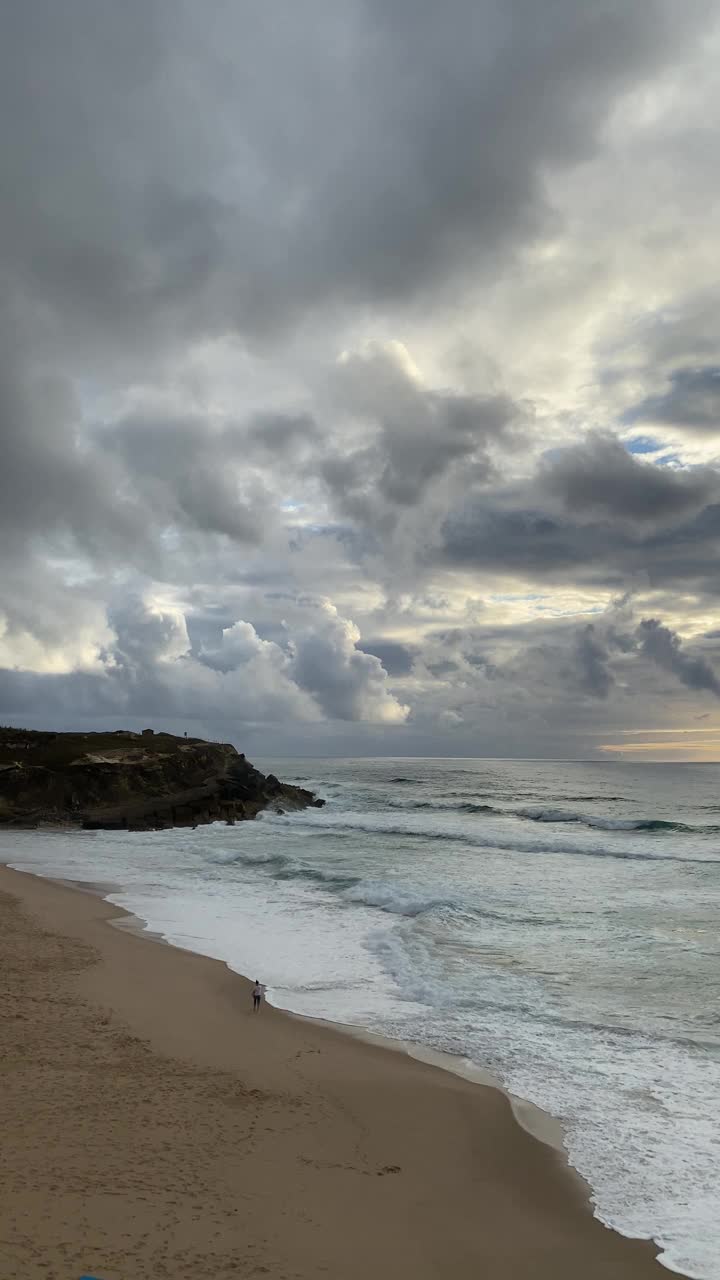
[(347, 683), (317, 658)]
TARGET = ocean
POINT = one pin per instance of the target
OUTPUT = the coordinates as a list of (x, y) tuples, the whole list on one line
[(555, 923)]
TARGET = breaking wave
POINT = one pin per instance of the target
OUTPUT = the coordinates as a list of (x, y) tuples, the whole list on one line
[(540, 813), (393, 898), (603, 824), (485, 841)]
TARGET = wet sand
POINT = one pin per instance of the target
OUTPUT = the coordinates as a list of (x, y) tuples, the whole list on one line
[(153, 1126)]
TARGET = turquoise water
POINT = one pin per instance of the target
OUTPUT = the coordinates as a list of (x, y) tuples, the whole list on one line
[(553, 922)]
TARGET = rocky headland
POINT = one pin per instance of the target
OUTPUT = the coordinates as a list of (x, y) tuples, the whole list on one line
[(132, 781)]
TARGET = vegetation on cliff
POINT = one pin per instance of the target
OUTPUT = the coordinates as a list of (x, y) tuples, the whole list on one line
[(129, 780)]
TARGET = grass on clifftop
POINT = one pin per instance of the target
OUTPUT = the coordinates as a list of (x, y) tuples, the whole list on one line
[(57, 750)]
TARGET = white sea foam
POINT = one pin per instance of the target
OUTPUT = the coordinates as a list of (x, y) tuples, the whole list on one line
[(397, 899)]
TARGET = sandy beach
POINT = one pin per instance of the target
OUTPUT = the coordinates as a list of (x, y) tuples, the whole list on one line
[(153, 1126)]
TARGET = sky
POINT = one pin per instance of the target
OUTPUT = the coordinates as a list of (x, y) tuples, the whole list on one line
[(360, 374)]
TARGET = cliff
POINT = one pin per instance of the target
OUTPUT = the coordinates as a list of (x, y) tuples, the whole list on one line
[(132, 781)]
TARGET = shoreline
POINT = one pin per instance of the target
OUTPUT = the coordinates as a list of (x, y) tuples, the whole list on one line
[(470, 1187), (540, 1124)]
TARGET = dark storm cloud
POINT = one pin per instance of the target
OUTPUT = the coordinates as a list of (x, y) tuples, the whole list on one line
[(111, 494), (555, 661), (467, 105), (673, 355), (593, 662), (190, 472), (397, 658), (49, 479), (66, 700), (585, 657), (530, 544), (182, 170), (692, 400), (594, 514), (665, 647), (600, 477), (176, 174), (526, 541), (416, 435)]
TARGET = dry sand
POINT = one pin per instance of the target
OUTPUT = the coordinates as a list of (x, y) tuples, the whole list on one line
[(153, 1128)]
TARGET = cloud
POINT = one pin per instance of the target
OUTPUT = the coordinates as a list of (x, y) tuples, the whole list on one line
[(347, 683), (664, 646), (593, 661), (186, 471), (148, 668), (600, 478), (49, 481), (594, 512), (396, 658), (317, 650), (691, 401), (204, 511), (289, 184), (559, 662), (419, 434), (147, 634), (43, 626)]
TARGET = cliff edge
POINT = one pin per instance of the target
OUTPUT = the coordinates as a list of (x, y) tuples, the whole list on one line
[(132, 781)]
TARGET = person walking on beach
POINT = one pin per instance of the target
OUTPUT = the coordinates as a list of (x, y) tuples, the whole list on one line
[(257, 995)]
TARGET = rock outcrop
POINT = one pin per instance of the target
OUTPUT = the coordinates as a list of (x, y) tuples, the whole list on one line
[(137, 782)]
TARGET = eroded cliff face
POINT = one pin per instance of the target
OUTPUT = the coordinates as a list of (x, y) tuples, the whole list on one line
[(134, 781)]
